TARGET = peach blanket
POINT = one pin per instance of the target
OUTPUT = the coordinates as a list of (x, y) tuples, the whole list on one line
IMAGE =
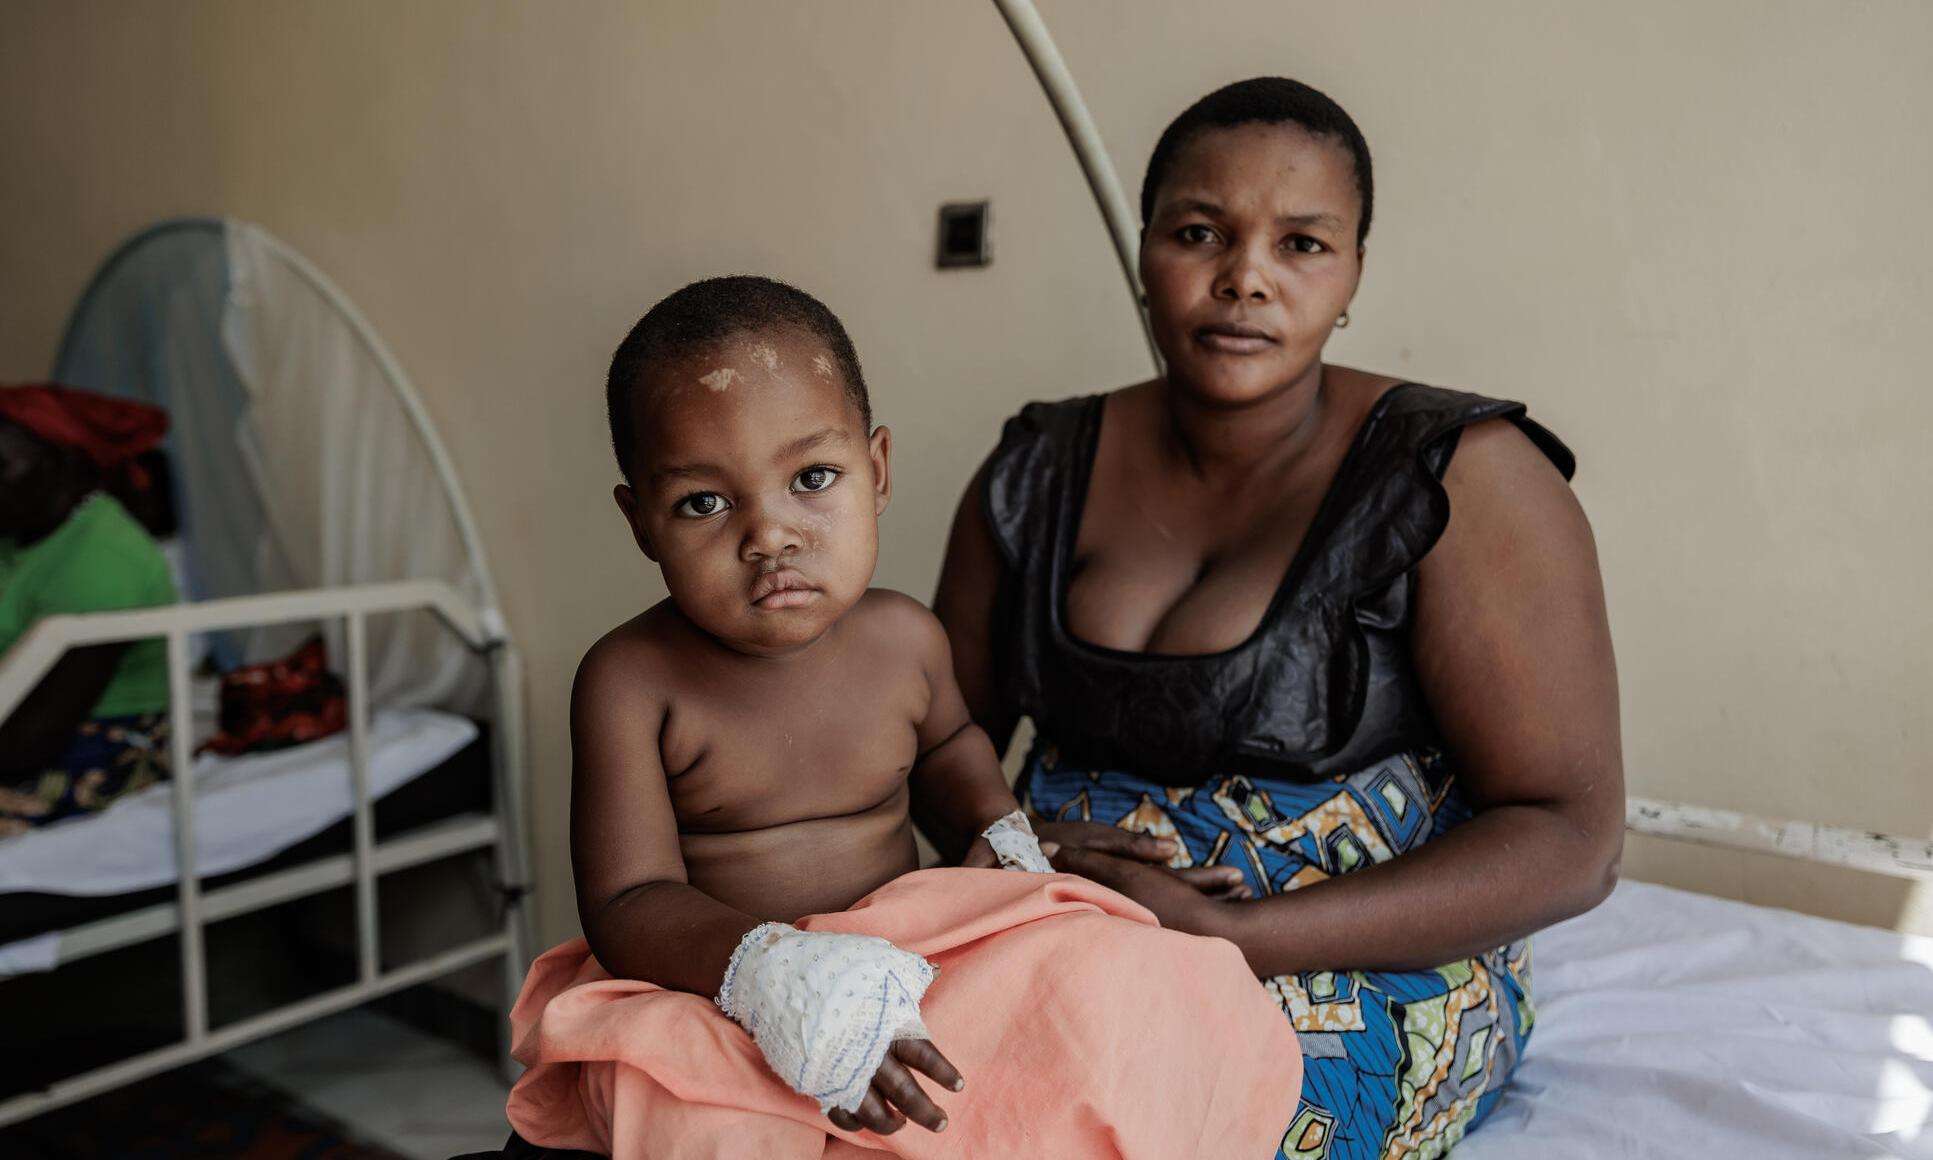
[(1083, 1030)]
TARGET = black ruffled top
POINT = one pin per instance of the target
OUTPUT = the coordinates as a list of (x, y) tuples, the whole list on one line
[(1324, 686)]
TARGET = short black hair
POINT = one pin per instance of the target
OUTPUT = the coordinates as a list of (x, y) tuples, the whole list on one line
[(705, 314), (1266, 101)]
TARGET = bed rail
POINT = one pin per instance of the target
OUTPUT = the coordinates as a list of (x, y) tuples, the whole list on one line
[(29, 660), (1890, 854)]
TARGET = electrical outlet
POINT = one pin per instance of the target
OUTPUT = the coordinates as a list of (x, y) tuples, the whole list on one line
[(964, 239)]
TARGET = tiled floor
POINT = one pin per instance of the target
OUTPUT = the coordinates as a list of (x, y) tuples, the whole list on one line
[(422, 1096)]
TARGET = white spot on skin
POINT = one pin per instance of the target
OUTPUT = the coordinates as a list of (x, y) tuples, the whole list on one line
[(818, 526), (720, 379), (765, 356), (822, 363)]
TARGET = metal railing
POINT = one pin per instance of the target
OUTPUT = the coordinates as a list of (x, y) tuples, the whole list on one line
[(30, 659), (1890, 854)]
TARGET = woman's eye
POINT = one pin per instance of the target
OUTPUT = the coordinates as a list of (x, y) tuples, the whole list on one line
[(815, 479), (1195, 234), (698, 506), (1304, 244)]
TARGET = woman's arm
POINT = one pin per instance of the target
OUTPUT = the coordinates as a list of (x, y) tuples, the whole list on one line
[(1513, 651), (32, 738), (970, 582)]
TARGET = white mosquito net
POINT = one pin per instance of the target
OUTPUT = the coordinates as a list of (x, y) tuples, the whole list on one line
[(302, 457)]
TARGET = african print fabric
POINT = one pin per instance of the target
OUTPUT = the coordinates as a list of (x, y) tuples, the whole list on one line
[(1396, 1063), (106, 759)]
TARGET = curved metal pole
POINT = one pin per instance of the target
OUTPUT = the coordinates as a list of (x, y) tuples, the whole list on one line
[(372, 344), (1065, 97), (412, 403)]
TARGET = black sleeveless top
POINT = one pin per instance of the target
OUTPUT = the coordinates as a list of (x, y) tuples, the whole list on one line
[(1324, 686)]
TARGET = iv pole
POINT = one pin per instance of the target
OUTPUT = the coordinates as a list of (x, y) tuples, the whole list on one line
[(1038, 45)]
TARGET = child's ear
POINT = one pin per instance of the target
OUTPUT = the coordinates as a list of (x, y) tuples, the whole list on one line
[(881, 448), (627, 502)]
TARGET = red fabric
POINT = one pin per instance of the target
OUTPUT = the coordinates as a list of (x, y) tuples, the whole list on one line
[(280, 703), (112, 432)]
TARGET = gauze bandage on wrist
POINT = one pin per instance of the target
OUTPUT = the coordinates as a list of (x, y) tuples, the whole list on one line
[(1013, 842), (824, 1008)]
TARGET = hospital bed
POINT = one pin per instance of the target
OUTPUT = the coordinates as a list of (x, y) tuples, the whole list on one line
[(1674, 1024), (315, 497)]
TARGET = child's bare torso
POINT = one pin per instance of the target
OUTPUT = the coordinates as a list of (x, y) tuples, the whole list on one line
[(788, 777)]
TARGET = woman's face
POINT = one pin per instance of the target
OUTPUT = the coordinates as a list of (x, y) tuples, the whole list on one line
[(1249, 258), (25, 467)]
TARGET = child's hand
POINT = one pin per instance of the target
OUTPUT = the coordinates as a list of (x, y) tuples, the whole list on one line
[(1219, 882), (896, 1096)]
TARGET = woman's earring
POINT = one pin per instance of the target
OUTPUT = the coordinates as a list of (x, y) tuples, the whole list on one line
[(1343, 322)]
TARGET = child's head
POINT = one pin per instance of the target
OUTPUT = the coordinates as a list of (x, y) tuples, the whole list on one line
[(741, 424)]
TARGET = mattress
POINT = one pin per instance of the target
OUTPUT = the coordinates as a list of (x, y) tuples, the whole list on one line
[(1672, 1024), (248, 810)]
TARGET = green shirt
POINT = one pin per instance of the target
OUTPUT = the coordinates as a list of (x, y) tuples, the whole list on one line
[(99, 560)]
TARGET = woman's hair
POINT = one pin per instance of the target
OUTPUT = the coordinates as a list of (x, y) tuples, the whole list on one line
[(1263, 101)]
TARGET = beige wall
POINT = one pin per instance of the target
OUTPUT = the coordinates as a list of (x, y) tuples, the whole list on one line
[(1690, 236)]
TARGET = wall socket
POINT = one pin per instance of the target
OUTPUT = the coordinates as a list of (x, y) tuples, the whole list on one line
[(964, 236)]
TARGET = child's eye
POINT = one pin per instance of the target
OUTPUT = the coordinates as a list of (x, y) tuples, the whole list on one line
[(815, 478), (1304, 244), (700, 505), (1195, 234)]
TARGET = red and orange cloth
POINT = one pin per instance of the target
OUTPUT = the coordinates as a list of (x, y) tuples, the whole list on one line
[(1085, 1031), (113, 433)]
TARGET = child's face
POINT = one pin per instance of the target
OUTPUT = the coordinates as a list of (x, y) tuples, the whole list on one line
[(758, 490)]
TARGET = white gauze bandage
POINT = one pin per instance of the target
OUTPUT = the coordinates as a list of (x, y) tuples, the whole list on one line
[(1013, 842), (824, 1008)]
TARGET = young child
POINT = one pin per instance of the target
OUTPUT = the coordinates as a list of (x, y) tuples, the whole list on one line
[(744, 752)]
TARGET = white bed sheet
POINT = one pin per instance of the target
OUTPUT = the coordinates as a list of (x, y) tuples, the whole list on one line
[(1676, 1024), (246, 809)]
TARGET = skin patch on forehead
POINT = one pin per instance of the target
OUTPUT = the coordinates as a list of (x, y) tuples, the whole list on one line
[(822, 363), (720, 379), (765, 356)]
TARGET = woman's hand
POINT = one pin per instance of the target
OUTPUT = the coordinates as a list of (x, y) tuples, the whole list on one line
[(897, 1097), (1220, 882), (1179, 905)]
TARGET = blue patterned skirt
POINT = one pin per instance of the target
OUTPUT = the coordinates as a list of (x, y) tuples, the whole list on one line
[(106, 759), (1396, 1063)]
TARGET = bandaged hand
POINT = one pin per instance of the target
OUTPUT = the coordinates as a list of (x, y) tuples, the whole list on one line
[(837, 1018), (1009, 843)]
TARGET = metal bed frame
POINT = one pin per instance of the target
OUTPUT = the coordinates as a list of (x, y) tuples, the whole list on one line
[(192, 910), (477, 623)]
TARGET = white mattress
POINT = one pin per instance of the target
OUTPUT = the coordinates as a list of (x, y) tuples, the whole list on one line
[(246, 809), (1672, 1024)]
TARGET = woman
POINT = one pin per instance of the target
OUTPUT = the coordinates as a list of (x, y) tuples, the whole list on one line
[(95, 728), (1318, 660)]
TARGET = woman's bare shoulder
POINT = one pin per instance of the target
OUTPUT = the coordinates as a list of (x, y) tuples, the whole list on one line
[(1515, 525), (1496, 466)]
